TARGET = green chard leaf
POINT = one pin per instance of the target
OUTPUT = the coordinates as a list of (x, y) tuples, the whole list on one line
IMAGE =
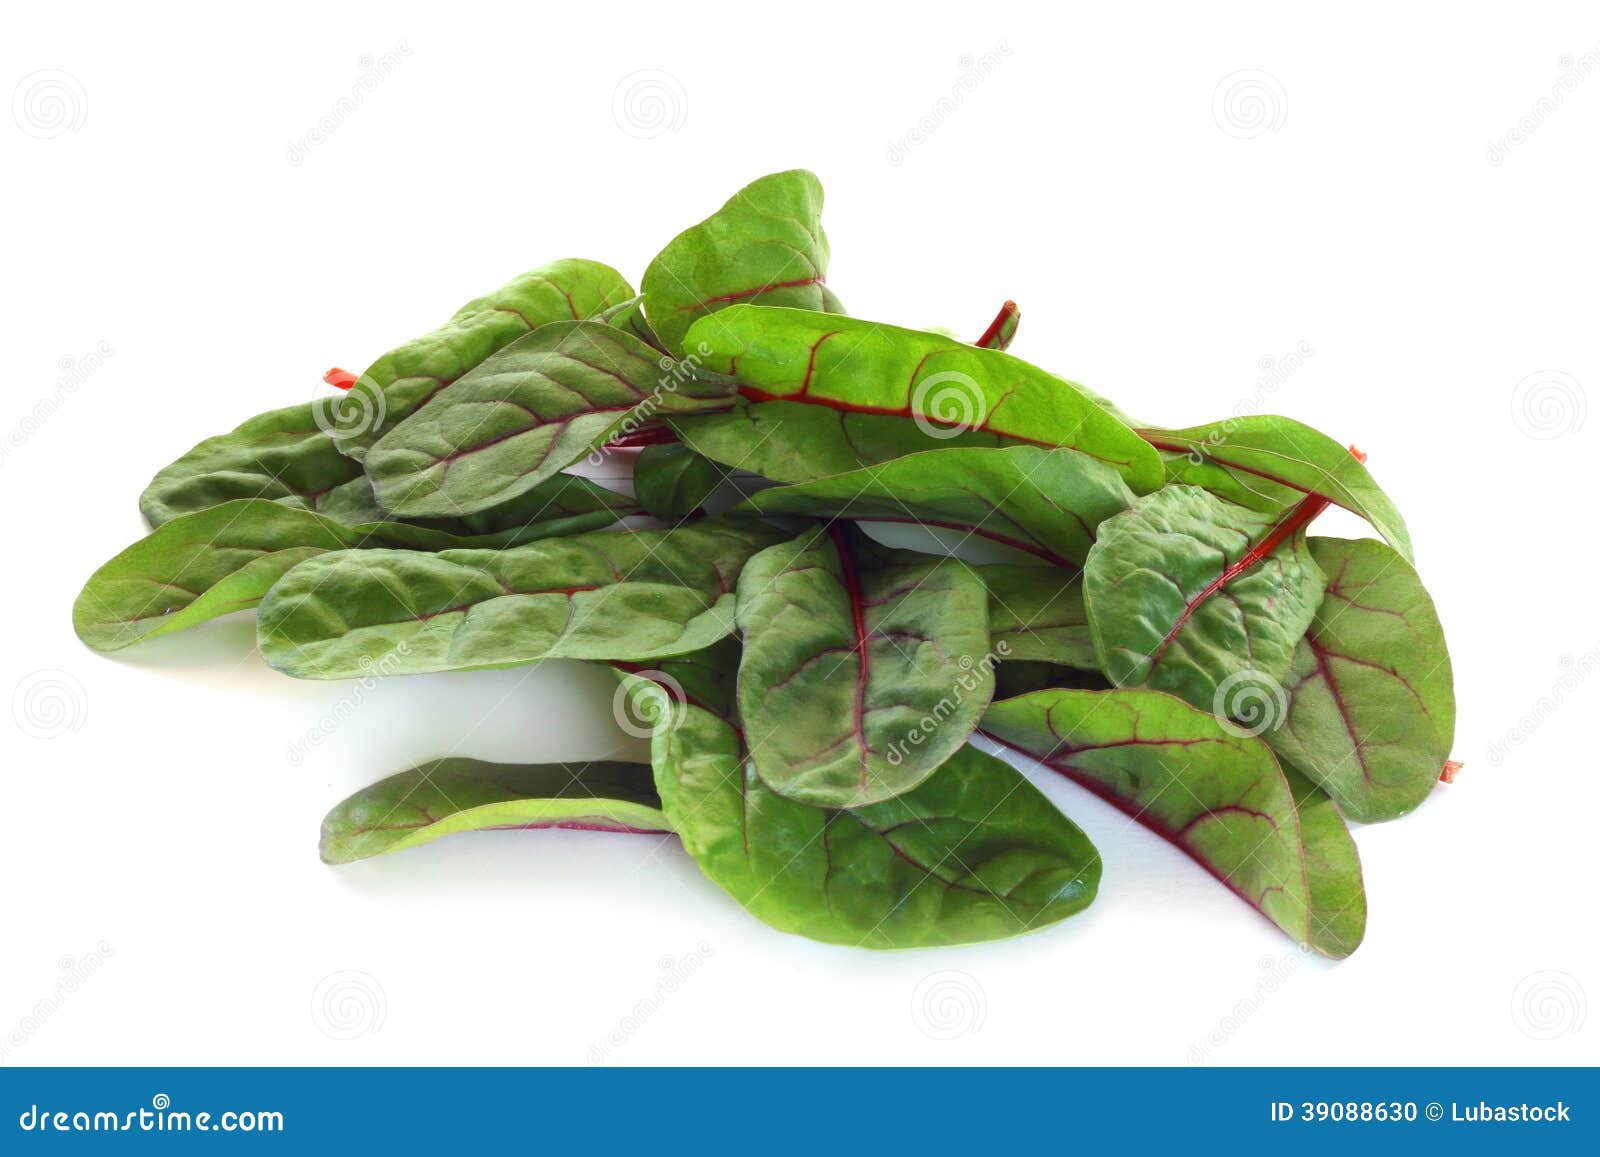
[(407, 377), (629, 317), (795, 442), (605, 595), (1251, 460), (1371, 710), (224, 558), (673, 482), (525, 414), (463, 795), (1044, 502), (703, 679), (285, 455), (1190, 594), (973, 853), (940, 383), (1218, 794), (765, 246), (864, 669), (1036, 614)]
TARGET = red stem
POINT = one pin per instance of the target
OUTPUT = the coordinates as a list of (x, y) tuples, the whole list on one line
[(1007, 315), (340, 379), (644, 436)]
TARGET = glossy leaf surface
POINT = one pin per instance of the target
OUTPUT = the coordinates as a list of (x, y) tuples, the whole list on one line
[(462, 795), (1219, 795), (867, 367), (863, 669), (604, 595), (974, 853), (764, 246), (1371, 708)]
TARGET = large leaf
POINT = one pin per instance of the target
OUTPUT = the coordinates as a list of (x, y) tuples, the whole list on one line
[(561, 504), (525, 414), (285, 455), (1190, 594), (673, 482), (1036, 614), (766, 245), (864, 669), (1372, 711), (604, 595), (944, 384), (462, 795), (406, 377), (1219, 795), (794, 442), (974, 853), (1260, 453), (1045, 502)]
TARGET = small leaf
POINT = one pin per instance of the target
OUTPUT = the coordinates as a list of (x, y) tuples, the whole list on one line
[(407, 377), (1190, 594), (765, 246), (974, 853), (1036, 613), (1262, 451), (604, 595), (864, 669), (525, 414), (463, 795), (943, 384), (1219, 795), (673, 482), (1044, 502), (1371, 703)]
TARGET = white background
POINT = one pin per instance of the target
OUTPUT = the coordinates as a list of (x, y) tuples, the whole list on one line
[(164, 898)]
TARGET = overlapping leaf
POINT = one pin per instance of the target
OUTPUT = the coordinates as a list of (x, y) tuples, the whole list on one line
[(764, 246), (406, 377), (974, 853), (673, 482), (1181, 598), (633, 595), (525, 414), (864, 669), (462, 795), (1371, 702), (943, 384), (1036, 614), (1220, 795), (1045, 502)]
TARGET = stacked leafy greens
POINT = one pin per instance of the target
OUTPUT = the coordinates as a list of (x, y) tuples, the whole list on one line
[(1166, 635)]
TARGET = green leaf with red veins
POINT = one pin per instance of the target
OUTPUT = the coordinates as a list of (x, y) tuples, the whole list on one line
[(465, 795), (1263, 452), (943, 384), (1218, 794), (407, 377), (634, 595), (524, 415), (1190, 594), (975, 852), (864, 669), (794, 442), (1372, 708), (765, 246), (629, 317), (1046, 503), (673, 482), (1036, 614)]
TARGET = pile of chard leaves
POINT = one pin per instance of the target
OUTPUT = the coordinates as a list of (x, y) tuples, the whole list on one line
[(1165, 634)]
